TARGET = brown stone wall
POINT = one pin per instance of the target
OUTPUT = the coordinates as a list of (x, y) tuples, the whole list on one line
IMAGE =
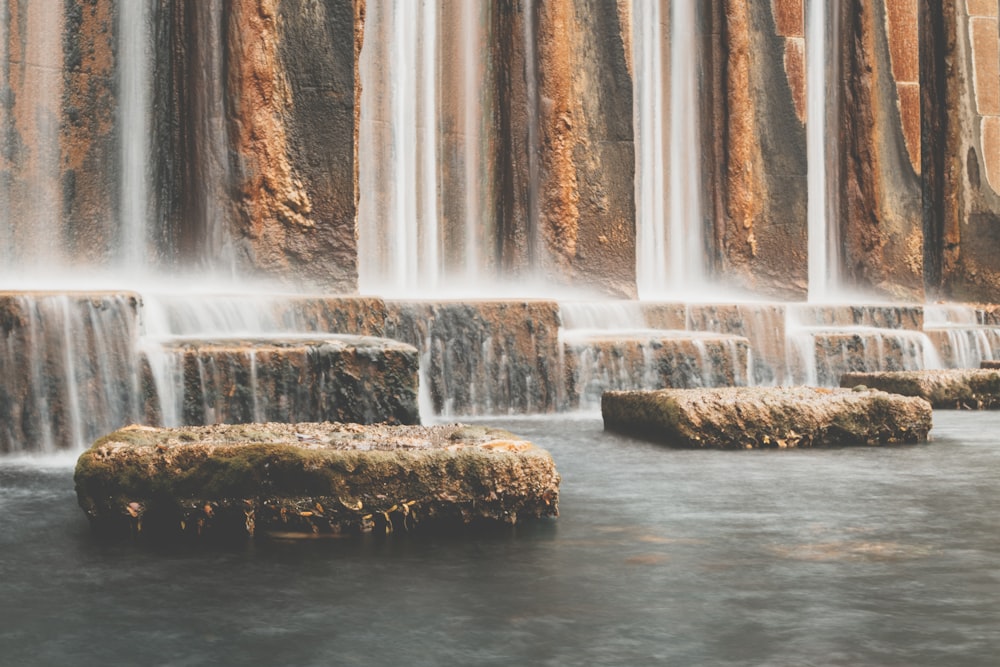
[(961, 138), (757, 141), (291, 82), (563, 158), (32, 93), (879, 149), (89, 144)]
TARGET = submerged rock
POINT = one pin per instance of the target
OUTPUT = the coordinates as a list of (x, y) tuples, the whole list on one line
[(311, 479), (977, 389), (744, 417)]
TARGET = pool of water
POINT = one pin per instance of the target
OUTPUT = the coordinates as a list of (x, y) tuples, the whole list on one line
[(855, 556)]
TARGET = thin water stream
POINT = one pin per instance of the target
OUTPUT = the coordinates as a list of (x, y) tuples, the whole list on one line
[(855, 556)]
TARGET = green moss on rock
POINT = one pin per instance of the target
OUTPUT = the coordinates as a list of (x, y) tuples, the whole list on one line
[(311, 479), (751, 417)]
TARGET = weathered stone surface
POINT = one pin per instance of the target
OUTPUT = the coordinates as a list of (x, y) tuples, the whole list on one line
[(597, 362), (567, 200), (767, 417), (310, 480), (255, 102), (991, 365), (483, 357), (945, 389), (756, 194), (961, 141), (291, 78), (880, 198), (89, 133), (322, 378)]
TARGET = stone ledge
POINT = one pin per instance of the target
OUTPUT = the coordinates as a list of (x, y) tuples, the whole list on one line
[(976, 389), (295, 379), (310, 480), (745, 418)]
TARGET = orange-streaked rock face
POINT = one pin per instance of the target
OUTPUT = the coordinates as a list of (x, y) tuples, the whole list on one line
[(984, 37), (789, 21), (903, 32)]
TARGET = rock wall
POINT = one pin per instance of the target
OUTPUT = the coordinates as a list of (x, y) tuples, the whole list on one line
[(880, 192), (757, 183), (567, 167), (259, 102), (89, 139), (961, 135)]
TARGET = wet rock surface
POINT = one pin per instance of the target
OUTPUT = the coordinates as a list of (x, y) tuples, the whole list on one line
[(977, 389), (343, 378), (311, 480), (745, 418)]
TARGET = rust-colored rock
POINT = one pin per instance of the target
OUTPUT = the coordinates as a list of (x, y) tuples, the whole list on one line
[(880, 196), (757, 140), (292, 82), (576, 223)]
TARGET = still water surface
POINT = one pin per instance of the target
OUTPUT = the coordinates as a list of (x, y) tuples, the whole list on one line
[(854, 557)]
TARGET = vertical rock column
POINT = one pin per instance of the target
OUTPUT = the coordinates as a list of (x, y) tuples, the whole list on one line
[(961, 135), (567, 201), (758, 143), (880, 160), (255, 103), (291, 120), (89, 131)]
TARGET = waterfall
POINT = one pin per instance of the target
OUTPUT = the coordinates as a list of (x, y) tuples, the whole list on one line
[(70, 369), (650, 243), (670, 244), (134, 73), (398, 214), (821, 77)]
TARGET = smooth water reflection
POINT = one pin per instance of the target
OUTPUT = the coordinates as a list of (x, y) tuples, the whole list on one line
[(828, 557)]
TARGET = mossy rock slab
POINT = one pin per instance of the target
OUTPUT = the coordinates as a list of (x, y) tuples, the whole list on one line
[(953, 389), (311, 479), (751, 417)]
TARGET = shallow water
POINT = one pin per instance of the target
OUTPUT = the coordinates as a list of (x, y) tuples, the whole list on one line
[(863, 556)]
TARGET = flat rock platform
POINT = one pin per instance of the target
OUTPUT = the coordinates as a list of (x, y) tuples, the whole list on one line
[(953, 389), (311, 480), (752, 417)]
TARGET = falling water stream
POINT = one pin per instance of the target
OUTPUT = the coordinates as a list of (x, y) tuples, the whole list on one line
[(824, 237), (670, 251), (133, 48)]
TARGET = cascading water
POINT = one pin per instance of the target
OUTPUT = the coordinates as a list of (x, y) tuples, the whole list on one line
[(824, 237), (133, 49), (964, 342), (670, 252), (610, 346)]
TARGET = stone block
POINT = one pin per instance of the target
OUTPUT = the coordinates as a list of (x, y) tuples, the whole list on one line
[(482, 357), (599, 361), (975, 389), (821, 357), (317, 378), (745, 418), (310, 480)]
